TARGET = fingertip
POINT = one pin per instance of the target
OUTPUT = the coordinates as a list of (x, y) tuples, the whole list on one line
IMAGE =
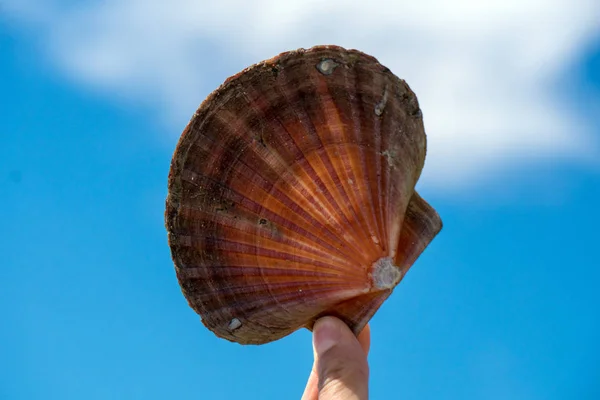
[(341, 360), (327, 332)]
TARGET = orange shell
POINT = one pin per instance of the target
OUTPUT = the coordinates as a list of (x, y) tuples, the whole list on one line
[(291, 195)]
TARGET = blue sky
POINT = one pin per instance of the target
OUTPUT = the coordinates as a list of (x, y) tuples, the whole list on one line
[(503, 304)]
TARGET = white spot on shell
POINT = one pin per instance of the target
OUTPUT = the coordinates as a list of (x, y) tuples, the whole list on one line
[(390, 157), (374, 239), (326, 66), (379, 107), (350, 182), (234, 324), (385, 274)]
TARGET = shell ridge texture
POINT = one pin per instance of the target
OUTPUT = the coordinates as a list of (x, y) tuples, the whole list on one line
[(319, 166), (311, 197)]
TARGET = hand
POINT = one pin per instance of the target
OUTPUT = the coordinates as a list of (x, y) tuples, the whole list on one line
[(340, 370)]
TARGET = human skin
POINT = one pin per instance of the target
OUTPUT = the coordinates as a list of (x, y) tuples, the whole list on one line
[(340, 370)]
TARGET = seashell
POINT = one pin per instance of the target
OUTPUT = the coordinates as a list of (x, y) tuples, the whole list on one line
[(291, 195)]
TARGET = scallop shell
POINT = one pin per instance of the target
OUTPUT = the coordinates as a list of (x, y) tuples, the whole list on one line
[(291, 195)]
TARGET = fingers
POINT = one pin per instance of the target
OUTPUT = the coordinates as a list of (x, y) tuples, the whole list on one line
[(311, 392), (341, 361)]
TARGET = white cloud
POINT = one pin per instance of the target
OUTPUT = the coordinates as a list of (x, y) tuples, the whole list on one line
[(486, 72)]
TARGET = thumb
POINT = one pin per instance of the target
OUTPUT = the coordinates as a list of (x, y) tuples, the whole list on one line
[(341, 362)]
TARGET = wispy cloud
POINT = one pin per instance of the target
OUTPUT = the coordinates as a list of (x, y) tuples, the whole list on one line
[(486, 72)]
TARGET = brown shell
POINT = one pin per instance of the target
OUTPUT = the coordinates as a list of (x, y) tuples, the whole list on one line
[(291, 195)]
